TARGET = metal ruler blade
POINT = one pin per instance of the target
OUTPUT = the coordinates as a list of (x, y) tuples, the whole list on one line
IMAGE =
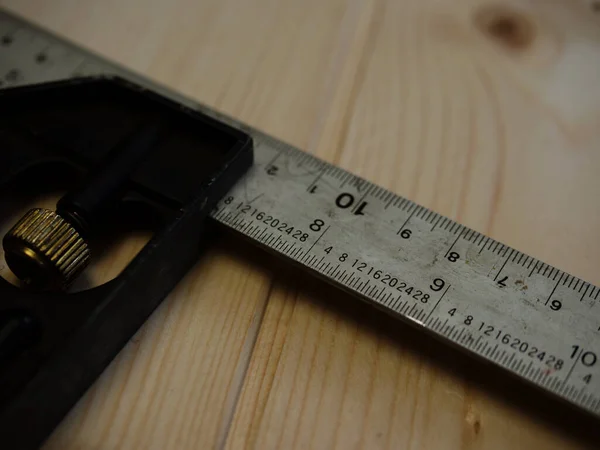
[(493, 301)]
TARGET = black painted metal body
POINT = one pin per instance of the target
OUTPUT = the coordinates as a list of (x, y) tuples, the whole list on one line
[(56, 344)]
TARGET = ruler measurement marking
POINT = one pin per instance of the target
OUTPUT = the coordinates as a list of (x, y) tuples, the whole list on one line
[(318, 239), (403, 204), (453, 335), (577, 356), (466, 338), (509, 361), (482, 238), (538, 375), (533, 270), (452, 246), (333, 269), (519, 365), (569, 390), (575, 393), (438, 302), (421, 209), (468, 234), (494, 352), (423, 214), (342, 275), (472, 237), (404, 307), (428, 322), (389, 202), (486, 344), (406, 221), (386, 302), (502, 268), (360, 202), (556, 274), (411, 310), (553, 290), (255, 230), (488, 351), (272, 161), (444, 222), (442, 326), (447, 224), (453, 224), (345, 177), (474, 342), (436, 222), (316, 180), (484, 244), (527, 372), (235, 220), (364, 286)]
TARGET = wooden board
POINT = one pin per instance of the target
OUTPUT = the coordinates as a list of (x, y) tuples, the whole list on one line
[(487, 112)]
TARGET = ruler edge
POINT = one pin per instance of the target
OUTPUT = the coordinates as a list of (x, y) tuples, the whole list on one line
[(172, 93)]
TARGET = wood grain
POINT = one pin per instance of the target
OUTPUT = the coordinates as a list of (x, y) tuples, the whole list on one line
[(485, 111)]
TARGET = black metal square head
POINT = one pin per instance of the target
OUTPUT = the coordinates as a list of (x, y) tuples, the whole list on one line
[(116, 148)]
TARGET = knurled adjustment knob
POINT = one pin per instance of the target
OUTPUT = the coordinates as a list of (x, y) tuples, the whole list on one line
[(45, 251)]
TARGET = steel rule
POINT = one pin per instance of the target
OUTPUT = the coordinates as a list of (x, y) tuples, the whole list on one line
[(491, 300)]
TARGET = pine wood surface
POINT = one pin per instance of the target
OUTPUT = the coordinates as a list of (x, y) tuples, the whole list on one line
[(487, 112)]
